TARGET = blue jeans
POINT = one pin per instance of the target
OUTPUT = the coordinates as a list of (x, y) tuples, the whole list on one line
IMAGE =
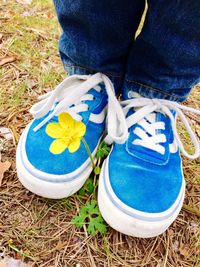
[(163, 62)]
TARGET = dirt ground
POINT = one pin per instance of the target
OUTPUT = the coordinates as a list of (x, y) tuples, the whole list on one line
[(39, 231)]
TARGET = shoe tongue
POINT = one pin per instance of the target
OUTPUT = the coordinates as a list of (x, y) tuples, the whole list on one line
[(149, 155), (144, 153)]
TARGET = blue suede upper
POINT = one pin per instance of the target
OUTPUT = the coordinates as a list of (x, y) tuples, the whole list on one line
[(142, 178), (38, 143)]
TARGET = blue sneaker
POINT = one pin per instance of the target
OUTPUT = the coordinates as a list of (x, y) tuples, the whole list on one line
[(52, 160), (141, 187)]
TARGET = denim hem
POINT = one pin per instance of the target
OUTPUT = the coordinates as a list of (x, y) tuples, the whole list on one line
[(89, 71), (149, 91), (75, 69)]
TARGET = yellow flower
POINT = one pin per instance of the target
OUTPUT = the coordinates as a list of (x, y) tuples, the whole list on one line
[(67, 132)]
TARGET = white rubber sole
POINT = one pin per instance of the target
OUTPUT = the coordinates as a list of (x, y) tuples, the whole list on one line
[(132, 222), (48, 186)]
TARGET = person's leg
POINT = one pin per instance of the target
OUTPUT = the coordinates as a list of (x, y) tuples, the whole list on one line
[(165, 59), (97, 35), (52, 155), (141, 186)]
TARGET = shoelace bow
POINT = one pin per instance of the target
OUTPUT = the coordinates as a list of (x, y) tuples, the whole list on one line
[(144, 108), (69, 96)]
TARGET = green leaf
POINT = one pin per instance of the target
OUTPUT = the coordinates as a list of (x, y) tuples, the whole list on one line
[(96, 225), (88, 187), (90, 215), (103, 150), (82, 191)]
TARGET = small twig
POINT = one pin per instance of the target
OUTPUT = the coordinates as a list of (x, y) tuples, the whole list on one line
[(39, 32), (4, 18), (15, 135), (167, 251), (16, 112), (191, 210)]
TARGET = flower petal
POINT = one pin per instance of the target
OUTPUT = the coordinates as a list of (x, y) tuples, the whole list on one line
[(74, 145), (66, 121), (54, 130), (79, 129), (58, 146)]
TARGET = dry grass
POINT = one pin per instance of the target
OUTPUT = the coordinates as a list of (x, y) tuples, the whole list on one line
[(38, 230)]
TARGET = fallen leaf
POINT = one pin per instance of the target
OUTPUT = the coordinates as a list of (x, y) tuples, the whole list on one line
[(4, 166), (10, 262), (41, 33), (6, 59), (24, 2), (7, 134), (27, 14), (176, 246), (184, 251), (194, 226)]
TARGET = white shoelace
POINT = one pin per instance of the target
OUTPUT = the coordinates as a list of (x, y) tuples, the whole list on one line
[(145, 116), (69, 96)]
